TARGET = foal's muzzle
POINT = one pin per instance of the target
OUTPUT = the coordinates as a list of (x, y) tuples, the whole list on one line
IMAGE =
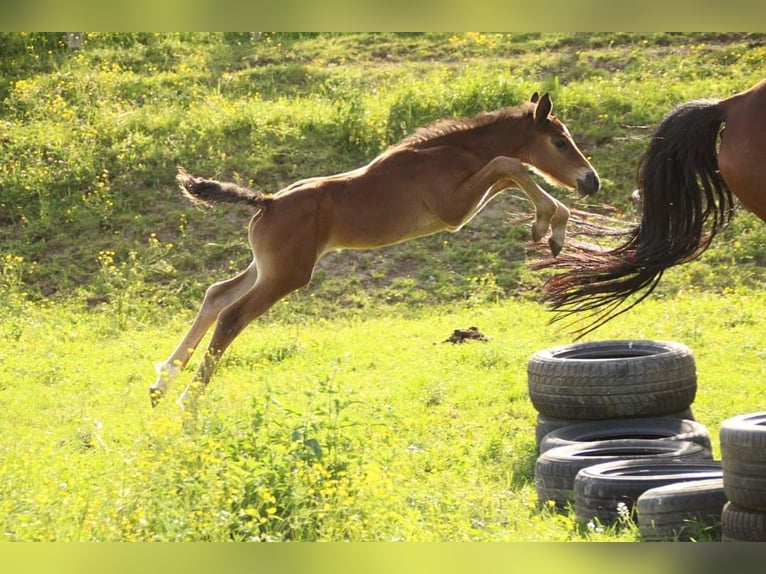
[(589, 184)]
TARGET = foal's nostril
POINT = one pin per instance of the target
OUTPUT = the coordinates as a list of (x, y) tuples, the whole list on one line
[(589, 184)]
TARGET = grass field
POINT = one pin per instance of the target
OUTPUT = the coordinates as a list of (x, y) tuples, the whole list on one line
[(341, 415), (329, 429)]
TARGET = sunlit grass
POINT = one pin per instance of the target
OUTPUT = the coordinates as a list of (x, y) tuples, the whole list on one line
[(354, 429), (91, 138)]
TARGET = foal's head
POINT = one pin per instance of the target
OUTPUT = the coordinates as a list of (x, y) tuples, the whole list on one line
[(552, 151)]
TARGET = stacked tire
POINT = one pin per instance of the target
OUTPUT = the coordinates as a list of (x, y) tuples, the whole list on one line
[(557, 469), (743, 457), (684, 510), (610, 380), (614, 421), (668, 495)]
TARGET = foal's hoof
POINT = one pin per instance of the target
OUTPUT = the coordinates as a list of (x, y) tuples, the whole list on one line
[(155, 395), (555, 246)]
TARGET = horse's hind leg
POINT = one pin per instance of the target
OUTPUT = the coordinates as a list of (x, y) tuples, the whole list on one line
[(217, 297)]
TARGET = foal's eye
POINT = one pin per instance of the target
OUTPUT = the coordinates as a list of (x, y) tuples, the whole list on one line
[(560, 143)]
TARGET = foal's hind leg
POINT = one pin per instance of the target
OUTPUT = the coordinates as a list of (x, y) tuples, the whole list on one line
[(234, 318), (217, 297)]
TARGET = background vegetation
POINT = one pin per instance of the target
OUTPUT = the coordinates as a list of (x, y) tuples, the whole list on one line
[(340, 415)]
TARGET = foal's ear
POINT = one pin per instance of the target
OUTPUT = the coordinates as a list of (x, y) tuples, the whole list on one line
[(543, 109), (534, 98)]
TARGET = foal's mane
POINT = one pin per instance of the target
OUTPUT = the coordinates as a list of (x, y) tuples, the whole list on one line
[(443, 128)]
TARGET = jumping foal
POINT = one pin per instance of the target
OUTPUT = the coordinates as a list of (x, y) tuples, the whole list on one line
[(435, 180)]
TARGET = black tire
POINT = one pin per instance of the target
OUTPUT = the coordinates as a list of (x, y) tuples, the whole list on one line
[(612, 379), (656, 428), (556, 469), (742, 524), (743, 457), (682, 511), (547, 424), (602, 489)]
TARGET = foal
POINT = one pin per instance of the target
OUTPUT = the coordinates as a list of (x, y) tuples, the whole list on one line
[(434, 180)]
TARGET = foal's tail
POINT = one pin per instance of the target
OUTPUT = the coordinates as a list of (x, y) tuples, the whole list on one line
[(210, 192), (685, 203)]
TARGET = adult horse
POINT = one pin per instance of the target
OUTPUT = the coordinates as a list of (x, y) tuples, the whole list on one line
[(685, 186), (436, 179)]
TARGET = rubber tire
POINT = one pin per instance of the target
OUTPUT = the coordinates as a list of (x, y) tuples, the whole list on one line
[(546, 424), (742, 524), (743, 456), (681, 511), (612, 379), (654, 428), (556, 469), (599, 489)]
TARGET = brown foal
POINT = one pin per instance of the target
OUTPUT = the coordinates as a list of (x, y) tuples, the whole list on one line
[(437, 179)]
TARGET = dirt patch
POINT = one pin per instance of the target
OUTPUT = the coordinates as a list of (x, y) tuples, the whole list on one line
[(463, 335)]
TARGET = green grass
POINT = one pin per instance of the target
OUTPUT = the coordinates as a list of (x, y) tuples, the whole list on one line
[(340, 415), (365, 428), (91, 138)]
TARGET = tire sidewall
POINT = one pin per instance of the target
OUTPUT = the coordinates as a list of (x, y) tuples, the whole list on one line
[(612, 379)]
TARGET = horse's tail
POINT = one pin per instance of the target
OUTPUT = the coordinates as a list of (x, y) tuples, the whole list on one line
[(685, 203), (210, 192)]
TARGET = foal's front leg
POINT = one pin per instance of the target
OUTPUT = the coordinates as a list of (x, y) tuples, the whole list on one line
[(545, 211), (549, 212), (498, 174)]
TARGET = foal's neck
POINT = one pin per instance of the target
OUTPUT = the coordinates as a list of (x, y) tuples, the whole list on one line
[(506, 137)]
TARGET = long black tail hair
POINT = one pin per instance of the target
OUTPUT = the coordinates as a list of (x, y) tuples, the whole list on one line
[(685, 203)]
